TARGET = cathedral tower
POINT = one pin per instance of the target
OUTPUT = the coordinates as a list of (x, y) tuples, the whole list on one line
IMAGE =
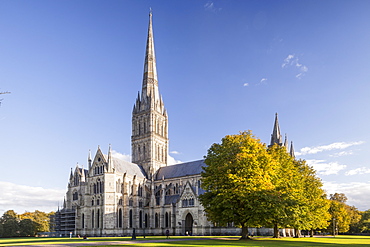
[(149, 140)]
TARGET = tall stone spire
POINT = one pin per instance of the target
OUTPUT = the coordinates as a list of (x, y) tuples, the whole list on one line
[(149, 140), (150, 79), (276, 137)]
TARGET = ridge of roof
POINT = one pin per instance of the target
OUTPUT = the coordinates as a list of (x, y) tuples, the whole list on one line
[(180, 170)]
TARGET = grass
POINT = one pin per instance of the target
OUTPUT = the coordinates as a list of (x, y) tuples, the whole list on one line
[(195, 241)]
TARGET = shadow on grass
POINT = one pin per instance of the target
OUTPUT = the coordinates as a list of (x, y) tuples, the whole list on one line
[(353, 241), (284, 242)]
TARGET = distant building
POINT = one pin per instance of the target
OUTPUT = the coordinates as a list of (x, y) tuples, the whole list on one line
[(112, 197)]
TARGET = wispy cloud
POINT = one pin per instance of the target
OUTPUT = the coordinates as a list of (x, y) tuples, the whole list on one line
[(21, 198), (324, 168), (262, 81), (172, 161), (210, 6), (293, 61), (333, 146), (343, 153), (120, 156), (287, 61), (361, 170), (356, 192), (174, 152)]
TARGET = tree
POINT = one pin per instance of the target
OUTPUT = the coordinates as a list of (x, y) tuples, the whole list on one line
[(285, 209), (9, 221), (27, 228), (363, 226), (1, 229), (40, 219), (343, 215), (301, 203), (238, 182), (27, 224), (340, 218), (339, 197), (354, 216), (314, 205)]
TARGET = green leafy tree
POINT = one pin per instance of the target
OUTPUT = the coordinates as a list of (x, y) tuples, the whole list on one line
[(9, 221), (354, 216), (340, 218), (339, 197), (314, 205), (343, 215), (286, 207), (40, 219), (1, 229), (238, 182), (365, 219), (27, 228), (302, 203), (363, 226)]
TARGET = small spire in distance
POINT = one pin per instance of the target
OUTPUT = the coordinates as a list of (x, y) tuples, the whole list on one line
[(276, 137), (286, 142), (110, 159), (292, 150)]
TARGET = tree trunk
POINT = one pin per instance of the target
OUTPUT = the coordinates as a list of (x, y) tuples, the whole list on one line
[(276, 231), (311, 233), (244, 233), (297, 233)]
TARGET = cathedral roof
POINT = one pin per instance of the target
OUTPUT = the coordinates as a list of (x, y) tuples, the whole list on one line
[(122, 166), (180, 170)]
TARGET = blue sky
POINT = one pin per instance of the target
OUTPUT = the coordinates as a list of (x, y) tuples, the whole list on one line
[(74, 69)]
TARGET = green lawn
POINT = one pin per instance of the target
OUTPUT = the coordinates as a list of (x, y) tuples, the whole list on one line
[(194, 241)]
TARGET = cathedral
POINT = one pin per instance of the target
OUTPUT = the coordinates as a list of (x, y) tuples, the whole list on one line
[(113, 197)]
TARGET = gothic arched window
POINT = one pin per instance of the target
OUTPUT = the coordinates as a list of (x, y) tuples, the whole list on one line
[(92, 219), (141, 219), (146, 222), (120, 218), (140, 190), (156, 220), (166, 220), (83, 221), (75, 196), (98, 219), (130, 219)]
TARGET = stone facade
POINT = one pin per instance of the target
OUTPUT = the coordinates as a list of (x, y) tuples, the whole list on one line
[(112, 197)]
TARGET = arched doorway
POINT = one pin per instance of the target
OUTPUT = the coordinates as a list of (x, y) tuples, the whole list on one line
[(188, 224)]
